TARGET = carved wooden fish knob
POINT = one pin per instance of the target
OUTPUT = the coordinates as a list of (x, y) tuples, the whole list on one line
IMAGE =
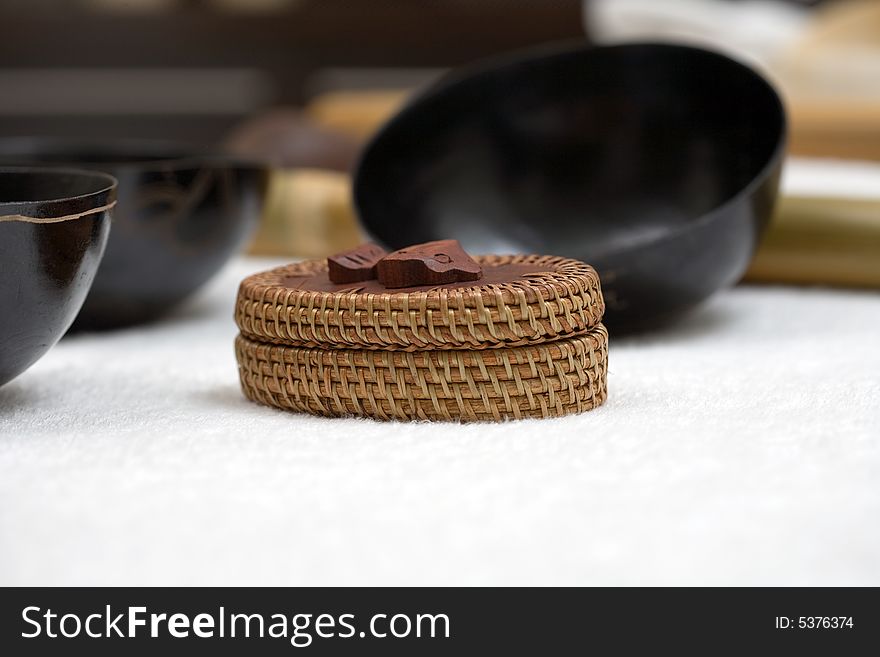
[(358, 264), (431, 263)]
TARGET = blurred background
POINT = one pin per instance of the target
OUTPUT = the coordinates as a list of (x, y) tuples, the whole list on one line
[(193, 69), (303, 84)]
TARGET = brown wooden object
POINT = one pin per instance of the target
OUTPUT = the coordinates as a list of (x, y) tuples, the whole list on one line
[(431, 263), (358, 264)]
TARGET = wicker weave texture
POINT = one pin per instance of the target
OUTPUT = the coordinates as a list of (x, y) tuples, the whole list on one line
[(541, 380), (561, 298)]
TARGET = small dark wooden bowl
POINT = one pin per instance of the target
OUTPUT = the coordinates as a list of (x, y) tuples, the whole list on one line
[(53, 228), (181, 215), (657, 164)]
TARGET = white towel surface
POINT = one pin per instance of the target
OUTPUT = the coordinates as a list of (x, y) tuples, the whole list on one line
[(741, 446)]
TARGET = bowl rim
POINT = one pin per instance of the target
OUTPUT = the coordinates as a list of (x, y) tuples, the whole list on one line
[(60, 208), (562, 48), (164, 154)]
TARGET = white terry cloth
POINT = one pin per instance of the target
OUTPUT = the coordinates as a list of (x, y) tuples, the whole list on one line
[(741, 446)]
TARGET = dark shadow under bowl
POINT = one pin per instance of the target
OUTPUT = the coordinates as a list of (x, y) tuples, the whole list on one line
[(658, 164), (180, 216), (53, 228)]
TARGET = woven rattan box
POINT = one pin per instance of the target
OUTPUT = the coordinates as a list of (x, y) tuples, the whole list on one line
[(524, 340)]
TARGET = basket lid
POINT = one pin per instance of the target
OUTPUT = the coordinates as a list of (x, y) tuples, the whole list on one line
[(519, 299)]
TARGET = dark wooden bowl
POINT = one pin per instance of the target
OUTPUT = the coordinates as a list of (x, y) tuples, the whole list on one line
[(657, 164), (53, 228), (181, 215)]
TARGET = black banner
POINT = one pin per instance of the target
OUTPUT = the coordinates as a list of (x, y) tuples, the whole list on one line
[(436, 621)]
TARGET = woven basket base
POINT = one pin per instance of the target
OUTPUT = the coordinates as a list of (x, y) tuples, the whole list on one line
[(541, 380)]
